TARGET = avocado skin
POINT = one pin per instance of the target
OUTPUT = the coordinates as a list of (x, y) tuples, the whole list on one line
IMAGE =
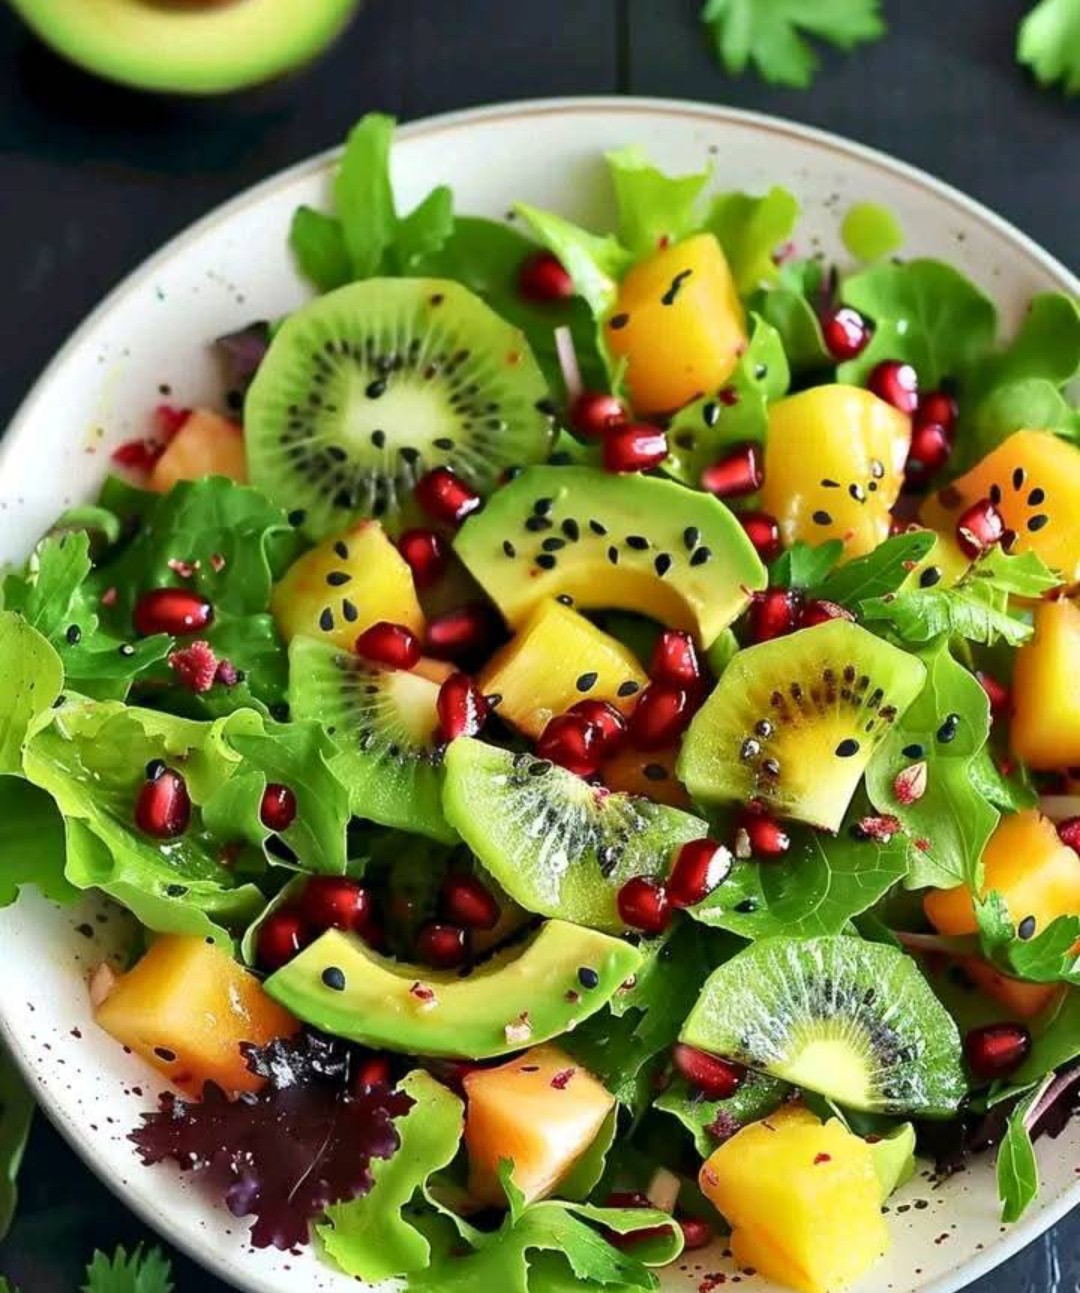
[(524, 995)]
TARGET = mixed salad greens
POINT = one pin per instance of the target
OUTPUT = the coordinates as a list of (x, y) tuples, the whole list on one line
[(592, 753)]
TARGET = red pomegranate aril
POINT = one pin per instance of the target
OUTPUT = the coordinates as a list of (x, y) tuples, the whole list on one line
[(168, 420), (765, 836), (163, 808), (461, 708), (281, 936), (696, 1233), (371, 1072), (774, 613), (603, 715), (426, 556), (763, 531), (593, 413), (939, 407), (390, 644), (573, 742), (468, 901), (846, 333), (998, 694), (172, 610), (445, 496), (662, 713), (820, 611), (461, 635), (627, 1199), (896, 383), (714, 1077), (542, 278), (979, 528), (741, 471), (1069, 832), (700, 867), (929, 451), (634, 446), (643, 904), (675, 660), (277, 812), (442, 946), (996, 1050), (336, 902)]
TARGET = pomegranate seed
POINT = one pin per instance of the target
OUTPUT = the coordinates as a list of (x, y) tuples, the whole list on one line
[(763, 531), (634, 446), (675, 660), (696, 1233), (999, 695), (643, 904), (390, 644), (168, 420), (469, 902), (336, 902), (1069, 832), (996, 1050), (593, 413), (715, 1078), (426, 555), (929, 451), (196, 666), (442, 946), (573, 743), (757, 834), (846, 333), (741, 471), (542, 278), (137, 455), (896, 383), (163, 808), (700, 867), (909, 784), (939, 407), (445, 496), (627, 1199), (605, 717), (172, 610), (277, 812), (774, 613), (820, 611), (461, 708), (373, 1071), (662, 713), (461, 635), (281, 935), (979, 528)]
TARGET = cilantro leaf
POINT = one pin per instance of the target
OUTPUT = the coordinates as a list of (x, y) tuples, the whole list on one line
[(654, 209), (1049, 43), (750, 229), (144, 1271), (711, 1122), (771, 34), (16, 1114), (1017, 1170), (877, 574)]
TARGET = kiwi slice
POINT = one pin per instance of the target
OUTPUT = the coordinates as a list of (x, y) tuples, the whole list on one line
[(556, 844), (852, 1020), (794, 722), (383, 722), (371, 386)]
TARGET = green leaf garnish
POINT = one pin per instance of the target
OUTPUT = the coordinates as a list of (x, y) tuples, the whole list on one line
[(1049, 43), (870, 231), (143, 1271), (750, 229), (16, 1114), (1017, 1170)]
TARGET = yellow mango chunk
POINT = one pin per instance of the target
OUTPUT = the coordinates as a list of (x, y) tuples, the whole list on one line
[(206, 445), (185, 1008), (542, 1110), (652, 773), (803, 1200), (678, 324), (559, 657), (1045, 727)]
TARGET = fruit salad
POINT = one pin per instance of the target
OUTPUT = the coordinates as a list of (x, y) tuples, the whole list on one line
[(586, 731)]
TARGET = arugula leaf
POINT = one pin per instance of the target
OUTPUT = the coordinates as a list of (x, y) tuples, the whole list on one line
[(31, 843), (31, 677), (1047, 957), (1048, 42), (318, 243), (654, 208), (805, 565), (1017, 1170), (878, 573), (1056, 1042), (711, 1122), (16, 1114), (1011, 793), (971, 609), (1024, 574), (791, 304), (363, 195), (771, 34), (1016, 406), (924, 312), (146, 1271), (951, 822), (750, 229)]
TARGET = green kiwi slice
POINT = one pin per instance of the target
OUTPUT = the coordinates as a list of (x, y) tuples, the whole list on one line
[(793, 722), (852, 1020), (371, 386), (383, 722), (558, 845)]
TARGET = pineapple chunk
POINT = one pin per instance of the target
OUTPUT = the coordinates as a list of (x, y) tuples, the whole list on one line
[(559, 657), (346, 584), (186, 1007), (206, 445), (1045, 727), (542, 1110), (803, 1200)]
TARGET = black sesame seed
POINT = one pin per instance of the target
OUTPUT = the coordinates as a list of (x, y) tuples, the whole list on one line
[(553, 544), (846, 749), (375, 389), (701, 556), (930, 576), (947, 731), (586, 681), (588, 977), (822, 518), (637, 541), (1036, 496), (155, 769), (771, 767), (913, 752), (543, 506), (73, 634), (509, 548), (1018, 478), (628, 688), (341, 549), (443, 442), (334, 978), (761, 371), (546, 561), (662, 564), (349, 611), (564, 599), (710, 414), (164, 1054), (613, 555), (745, 907), (537, 523), (1026, 928), (539, 767), (830, 484), (378, 438), (598, 527), (690, 537), (654, 772), (297, 517), (338, 578), (877, 468), (618, 321), (1037, 522), (126, 649), (571, 529), (326, 620)]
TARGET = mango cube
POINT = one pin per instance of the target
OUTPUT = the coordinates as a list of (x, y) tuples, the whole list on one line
[(207, 444), (1045, 727)]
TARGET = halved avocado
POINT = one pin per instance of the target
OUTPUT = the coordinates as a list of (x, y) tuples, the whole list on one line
[(523, 995), (634, 543), (187, 46)]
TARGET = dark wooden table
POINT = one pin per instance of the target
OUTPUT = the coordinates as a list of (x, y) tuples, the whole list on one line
[(93, 179)]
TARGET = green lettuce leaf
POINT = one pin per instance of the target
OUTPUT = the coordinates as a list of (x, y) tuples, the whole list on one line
[(654, 209), (31, 843), (31, 677), (877, 574), (143, 1271), (806, 565), (1048, 42), (594, 262), (790, 305), (16, 1115), (750, 229), (1017, 1169), (711, 1122), (1047, 957)]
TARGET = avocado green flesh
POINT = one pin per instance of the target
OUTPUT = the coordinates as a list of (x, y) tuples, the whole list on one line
[(524, 995), (620, 543)]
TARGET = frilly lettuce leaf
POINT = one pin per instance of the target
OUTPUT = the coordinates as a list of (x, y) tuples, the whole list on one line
[(654, 209), (750, 230), (595, 262), (31, 843), (711, 1122), (31, 677), (791, 303)]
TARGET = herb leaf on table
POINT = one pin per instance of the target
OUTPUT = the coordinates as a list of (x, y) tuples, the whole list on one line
[(1049, 43), (141, 1271)]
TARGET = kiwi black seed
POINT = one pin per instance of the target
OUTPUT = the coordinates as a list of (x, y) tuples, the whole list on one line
[(369, 387)]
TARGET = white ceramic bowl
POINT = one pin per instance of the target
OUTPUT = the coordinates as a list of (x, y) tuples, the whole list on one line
[(234, 266)]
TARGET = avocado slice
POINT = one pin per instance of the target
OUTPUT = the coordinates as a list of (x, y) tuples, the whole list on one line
[(523, 995), (187, 48), (634, 543)]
